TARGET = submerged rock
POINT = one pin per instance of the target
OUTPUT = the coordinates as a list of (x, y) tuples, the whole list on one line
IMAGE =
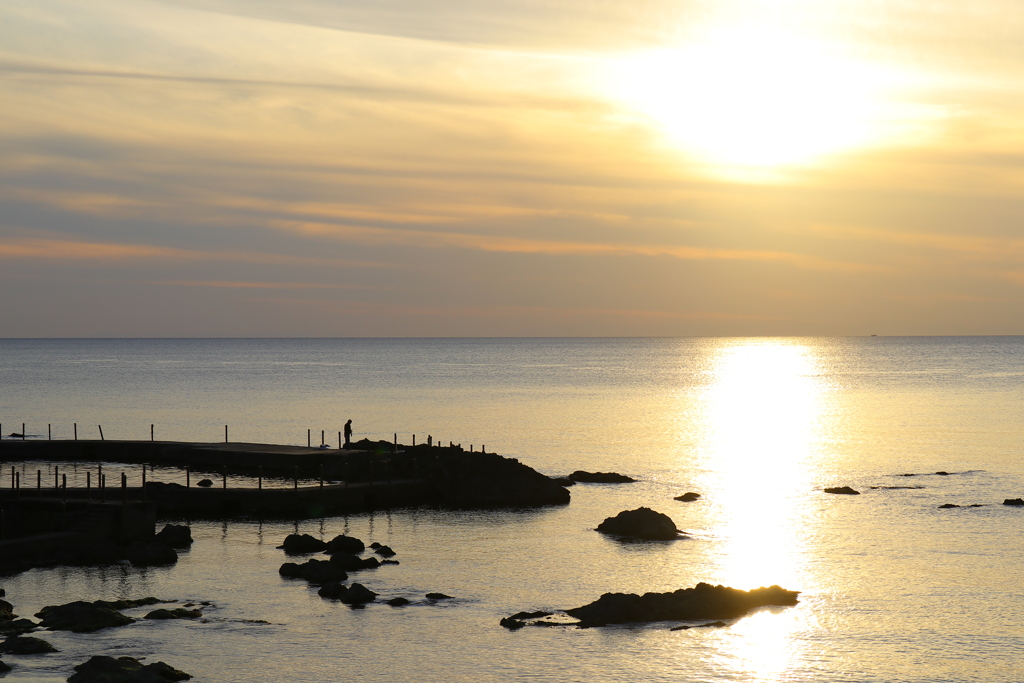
[(314, 571), (687, 497), (642, 523), (16, 627), (353, 563), (398, 602), (177, 613), (103, 669), (600, 477), (1013, 501), (843, 490), (81, 617), (344, 544), (385, 551), (438, 596), (26, 645), (700, 603), (205, 483)]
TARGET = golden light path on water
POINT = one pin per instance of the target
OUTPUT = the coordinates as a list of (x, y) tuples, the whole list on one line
[(763, 414)]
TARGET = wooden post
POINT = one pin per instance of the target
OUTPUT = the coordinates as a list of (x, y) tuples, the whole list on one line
[(430, 441), (260, 485), (88, 485), (152, 432), (101, 432), (225, 433), (124, 487), (224, 481), (76, 431), (396, 442), (39, 482), (12, 477), (143, 482), (339, 441), (64, 488), (414, 440), (49, 432), (22, 431), (483, 448), (321, 437), (188, 477), (56, 473), (309, 438)]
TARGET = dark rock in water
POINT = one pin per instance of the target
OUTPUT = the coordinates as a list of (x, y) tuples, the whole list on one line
[(3, 593), (947, 506), (352, 563), (290, 570), (175, 535), (103, 669), (16, 627), (375, 545), (4, 668), (487, 480), (600, 477), (81, 617), (642, 523), (385, 551), (688, 497), (438, 596), (358, 594), (713, 624), (1013, 501), (334, 589), (344, 544), (6, 611), (398, 602), (518, 620), (942, 474), (177, 613), (26, 645), (314, 571), (127, 604), (843, 490), (300, 544), (205, 483), (563, 481), (151, 554), (700, 603), (390, 562)]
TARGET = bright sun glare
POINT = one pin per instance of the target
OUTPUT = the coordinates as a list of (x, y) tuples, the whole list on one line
[(753, 98)]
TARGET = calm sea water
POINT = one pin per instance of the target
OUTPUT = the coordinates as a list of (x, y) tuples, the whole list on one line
[(894, 588)]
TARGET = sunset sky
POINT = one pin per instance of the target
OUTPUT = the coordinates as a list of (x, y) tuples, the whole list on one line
[(527, 168)]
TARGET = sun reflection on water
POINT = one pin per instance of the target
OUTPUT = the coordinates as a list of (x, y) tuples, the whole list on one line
[(763, 415)]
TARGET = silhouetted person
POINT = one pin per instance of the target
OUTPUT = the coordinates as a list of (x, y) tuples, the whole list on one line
[(348, 433)]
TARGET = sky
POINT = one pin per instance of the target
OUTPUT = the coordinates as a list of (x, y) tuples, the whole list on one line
[(252, 168)]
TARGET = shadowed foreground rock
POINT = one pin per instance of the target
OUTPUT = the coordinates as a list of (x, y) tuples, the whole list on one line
[(700, 603), (642, 523), (175, 535), (101, 669), (486, 480), (26, 645)]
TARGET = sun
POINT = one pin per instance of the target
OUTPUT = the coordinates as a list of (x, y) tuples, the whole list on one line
[(748, 97)]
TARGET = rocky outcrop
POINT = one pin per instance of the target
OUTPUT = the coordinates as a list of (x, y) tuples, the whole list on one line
[(356, 594), (26, 645), (643, 523), (353, 563), (314, 571), (385, 551), (176, 613), (175, 535), (398, 602), (16, 627), (301, 544), (842, 490), (344, 544), (1013, 501), (205, 483), (438, 596), (81, 617), (687, 497), (103, 669), (700, 603), (600, 477), (486, 480)]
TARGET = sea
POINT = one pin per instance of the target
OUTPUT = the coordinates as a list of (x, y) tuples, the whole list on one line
[(893, 587)]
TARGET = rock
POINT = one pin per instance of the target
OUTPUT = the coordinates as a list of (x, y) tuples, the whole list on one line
[(352, 563), (16, 627), (947, 506), (385, 551), (518, 620), (942, 474), (6, 611), (700, 603), (151, 554), (81, 617), (103, 669), (300, 544), (1013, 501), (438, 596), (600, 477), (322, 571), (344, 544), (487, 480), (713, 624), (177, 613), (358, 594), (642, 523), (205, 483), (334, 589), (383, 562), (290, 570), (175, 536), (4, 668), (126, 604), (398, 602), (687, 497), (26, 645), (563, 481), (843, 490), (375, 545)]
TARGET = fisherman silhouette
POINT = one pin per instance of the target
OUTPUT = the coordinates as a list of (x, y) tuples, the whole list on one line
[(348, 433)]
